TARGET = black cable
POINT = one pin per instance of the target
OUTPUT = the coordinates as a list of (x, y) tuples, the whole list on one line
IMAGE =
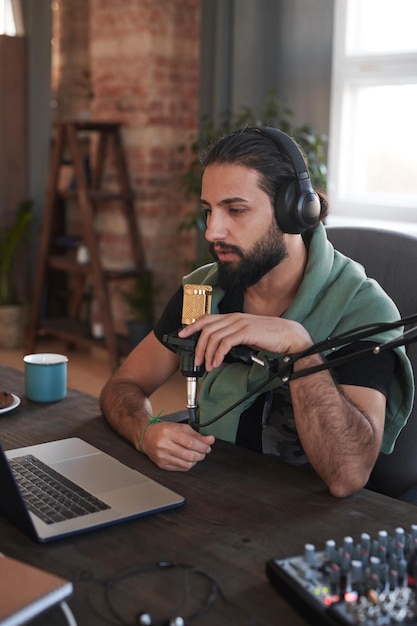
[(132, 571), (215, 592)]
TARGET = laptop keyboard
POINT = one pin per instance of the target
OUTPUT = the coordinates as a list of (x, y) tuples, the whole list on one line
[(48, 494)]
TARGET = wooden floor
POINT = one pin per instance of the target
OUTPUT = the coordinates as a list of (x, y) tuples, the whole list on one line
[(89, 370)]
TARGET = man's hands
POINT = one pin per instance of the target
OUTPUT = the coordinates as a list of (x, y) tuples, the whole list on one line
[(340, 428), (178, 447), (174, 446), (220, 333)]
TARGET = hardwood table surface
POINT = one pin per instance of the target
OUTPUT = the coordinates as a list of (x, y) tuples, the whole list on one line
[(242, 508)]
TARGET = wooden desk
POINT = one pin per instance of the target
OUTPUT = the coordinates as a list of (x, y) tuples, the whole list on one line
[(241, 509)]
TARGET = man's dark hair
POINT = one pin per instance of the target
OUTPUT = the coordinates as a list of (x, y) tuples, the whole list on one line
[(251, 149)]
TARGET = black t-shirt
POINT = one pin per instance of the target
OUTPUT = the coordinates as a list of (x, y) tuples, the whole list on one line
[(268, 425)]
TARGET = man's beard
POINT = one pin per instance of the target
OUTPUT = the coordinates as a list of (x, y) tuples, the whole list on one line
[(265, 254)]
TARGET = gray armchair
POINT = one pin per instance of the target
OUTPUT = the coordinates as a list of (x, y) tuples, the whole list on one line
[(390, 258)]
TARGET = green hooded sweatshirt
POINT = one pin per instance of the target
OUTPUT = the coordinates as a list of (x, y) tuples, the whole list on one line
[(335, 296)]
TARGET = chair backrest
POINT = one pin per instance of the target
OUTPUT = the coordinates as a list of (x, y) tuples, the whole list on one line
[(391, 259)]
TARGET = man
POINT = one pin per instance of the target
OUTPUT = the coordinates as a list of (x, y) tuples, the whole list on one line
[(278, 287)]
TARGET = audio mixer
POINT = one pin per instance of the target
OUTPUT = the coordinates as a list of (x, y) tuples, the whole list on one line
[(369, 582)]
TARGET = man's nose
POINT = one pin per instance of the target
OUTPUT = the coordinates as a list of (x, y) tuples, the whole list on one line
[(216, 227)]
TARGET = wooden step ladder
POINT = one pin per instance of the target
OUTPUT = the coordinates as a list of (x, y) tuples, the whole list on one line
[(60, 260)]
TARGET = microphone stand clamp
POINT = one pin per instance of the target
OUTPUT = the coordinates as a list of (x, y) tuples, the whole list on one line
[(185, 347)]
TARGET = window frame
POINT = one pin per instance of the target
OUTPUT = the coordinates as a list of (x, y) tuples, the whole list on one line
[(351, 71)]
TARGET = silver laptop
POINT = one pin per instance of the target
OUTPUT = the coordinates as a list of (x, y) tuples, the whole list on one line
[(77, 488)]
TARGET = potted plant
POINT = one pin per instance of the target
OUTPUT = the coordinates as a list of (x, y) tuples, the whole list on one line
[(140, 301), (12, 310)]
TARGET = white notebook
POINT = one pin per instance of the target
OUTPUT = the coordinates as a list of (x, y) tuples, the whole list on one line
[(27, 591)]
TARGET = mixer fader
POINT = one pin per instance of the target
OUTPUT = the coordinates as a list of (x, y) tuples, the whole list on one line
[(371, 581)]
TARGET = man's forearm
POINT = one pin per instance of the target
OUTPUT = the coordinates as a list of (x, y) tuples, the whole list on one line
[(338, 437), (126, 408)]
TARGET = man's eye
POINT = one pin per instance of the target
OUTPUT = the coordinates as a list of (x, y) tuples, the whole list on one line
[(206, 212), (236, 210)]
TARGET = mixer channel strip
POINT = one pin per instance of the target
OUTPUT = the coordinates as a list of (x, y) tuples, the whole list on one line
[(369, 582)]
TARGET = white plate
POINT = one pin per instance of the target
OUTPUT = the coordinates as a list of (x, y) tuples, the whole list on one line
[(13, 405)]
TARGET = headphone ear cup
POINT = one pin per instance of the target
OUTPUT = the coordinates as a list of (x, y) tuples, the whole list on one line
[(297, 207)]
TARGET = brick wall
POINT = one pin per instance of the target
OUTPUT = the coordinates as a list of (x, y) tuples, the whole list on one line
[(136, 61)]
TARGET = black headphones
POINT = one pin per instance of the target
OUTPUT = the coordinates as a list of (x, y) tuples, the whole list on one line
[(297, 205)]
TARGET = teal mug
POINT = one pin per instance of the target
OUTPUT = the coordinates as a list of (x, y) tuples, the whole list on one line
[(45, 377)]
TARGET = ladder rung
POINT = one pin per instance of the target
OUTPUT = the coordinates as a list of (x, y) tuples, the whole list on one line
[(70, 265), (96, 126), (78, 332), (102, 196)]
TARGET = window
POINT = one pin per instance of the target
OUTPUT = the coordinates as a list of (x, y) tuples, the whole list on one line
[(373, 128), (10, 18)]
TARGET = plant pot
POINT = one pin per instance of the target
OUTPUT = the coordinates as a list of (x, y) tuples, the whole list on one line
[(13, 319), (138, 331)]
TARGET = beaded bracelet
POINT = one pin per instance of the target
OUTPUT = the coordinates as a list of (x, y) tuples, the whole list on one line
[(153, 420)]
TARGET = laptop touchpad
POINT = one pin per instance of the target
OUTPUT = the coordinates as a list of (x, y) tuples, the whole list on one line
[(98, 472)]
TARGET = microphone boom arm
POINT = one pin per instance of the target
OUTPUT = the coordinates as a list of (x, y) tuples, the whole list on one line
[(282, 367)]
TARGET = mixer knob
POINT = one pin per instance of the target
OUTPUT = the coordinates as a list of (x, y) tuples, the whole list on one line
[(330, 550), (348, 545), (309, 553), (383, 538)]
